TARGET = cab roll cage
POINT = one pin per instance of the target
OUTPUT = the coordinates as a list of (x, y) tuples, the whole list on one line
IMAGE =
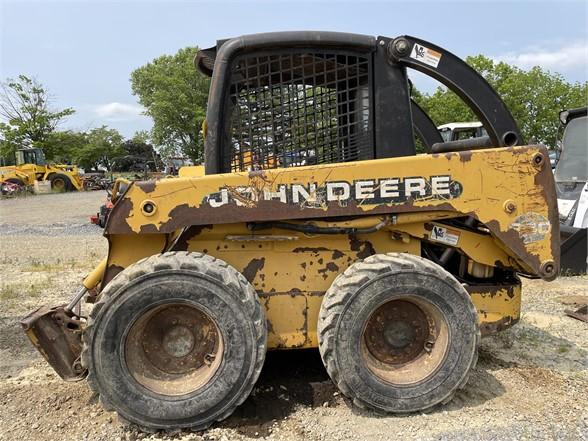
[(395, 114)]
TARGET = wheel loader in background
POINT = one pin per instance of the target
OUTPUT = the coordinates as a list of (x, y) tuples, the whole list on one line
[(315, 225), (31, 166)]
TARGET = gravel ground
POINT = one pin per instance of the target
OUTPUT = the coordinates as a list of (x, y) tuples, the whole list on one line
[(530, 382)]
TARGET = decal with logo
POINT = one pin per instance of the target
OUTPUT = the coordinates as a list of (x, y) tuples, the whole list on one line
[(444, 235), (363, 192), (425, 55)]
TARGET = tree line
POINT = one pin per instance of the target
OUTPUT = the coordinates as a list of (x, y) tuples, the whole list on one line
[(175, 95), (29, 121)]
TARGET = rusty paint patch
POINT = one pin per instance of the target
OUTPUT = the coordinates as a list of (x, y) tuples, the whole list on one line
[(56, 334), (110, 273), (494, 290), (330, 267), (184, 215), (257, 174), (117, 219), (309, 249), (337, 254), (181, 244), (546, 183), (250, 271), (147, 186), (465, 156), (491, 328), (148, 229), (363, 248)]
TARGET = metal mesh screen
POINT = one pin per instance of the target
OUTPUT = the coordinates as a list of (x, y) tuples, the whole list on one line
[(299, 108)]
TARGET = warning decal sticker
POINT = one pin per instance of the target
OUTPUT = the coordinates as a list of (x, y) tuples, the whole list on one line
[(532, 227), (444, 235), (425, 55)]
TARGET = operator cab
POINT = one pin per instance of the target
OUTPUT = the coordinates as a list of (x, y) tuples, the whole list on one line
[(290, 99), (30, 156)]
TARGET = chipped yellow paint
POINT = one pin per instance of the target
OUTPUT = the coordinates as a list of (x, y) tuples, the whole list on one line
[(124, 250), (290, 331), (291, 270), (488, 177), (497, 306)]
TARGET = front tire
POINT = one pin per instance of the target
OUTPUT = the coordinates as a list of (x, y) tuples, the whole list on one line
[(176, 341), (398, 333), (60, 183)]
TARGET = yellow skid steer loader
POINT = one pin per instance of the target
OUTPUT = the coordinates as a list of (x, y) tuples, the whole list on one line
[(315, 226)]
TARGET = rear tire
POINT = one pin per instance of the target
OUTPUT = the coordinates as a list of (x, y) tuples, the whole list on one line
[(16, 181), (60, 183), (22, 188), (176, 341), (398, 333)]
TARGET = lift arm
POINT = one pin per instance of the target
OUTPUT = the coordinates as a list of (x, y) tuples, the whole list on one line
[(461, 79)]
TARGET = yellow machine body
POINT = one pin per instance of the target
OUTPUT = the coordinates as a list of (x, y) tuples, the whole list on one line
[(394, 205), (29, 173)]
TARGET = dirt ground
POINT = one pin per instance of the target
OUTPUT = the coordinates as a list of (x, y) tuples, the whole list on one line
[(531, 381)]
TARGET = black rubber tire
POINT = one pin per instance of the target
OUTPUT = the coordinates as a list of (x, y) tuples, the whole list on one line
[(349, 302), (21, 186), (16, 181), (67, 185), (194, 278)]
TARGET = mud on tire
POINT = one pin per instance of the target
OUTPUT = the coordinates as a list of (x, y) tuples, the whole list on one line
[(199, 348), (398, 333), (60, 183)]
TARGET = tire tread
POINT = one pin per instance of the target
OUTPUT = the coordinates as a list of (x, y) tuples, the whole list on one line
[(343, 289), (192, 261)]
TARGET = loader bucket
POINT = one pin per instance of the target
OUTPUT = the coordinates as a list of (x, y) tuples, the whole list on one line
[(574, 250), (57, 336)]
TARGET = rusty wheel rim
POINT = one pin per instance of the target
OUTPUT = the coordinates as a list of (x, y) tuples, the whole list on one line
[(405, 341), (173, 349), (58, 184)]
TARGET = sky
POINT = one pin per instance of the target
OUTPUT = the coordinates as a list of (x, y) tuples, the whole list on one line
[(84, 51)]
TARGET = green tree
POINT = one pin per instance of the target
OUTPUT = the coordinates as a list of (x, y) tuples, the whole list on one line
[(138, 154), (102, 146), (63, 146), (141, 137), (26, 117), (174, 95), (534, 97)]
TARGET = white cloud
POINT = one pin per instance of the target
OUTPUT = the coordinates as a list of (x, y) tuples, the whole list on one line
[(568, 57), (118, 111)]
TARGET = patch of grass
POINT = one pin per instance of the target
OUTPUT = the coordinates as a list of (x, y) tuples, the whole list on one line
[(529, 337), (37, 266), (17, 290), (41, 267), (9, 291)]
